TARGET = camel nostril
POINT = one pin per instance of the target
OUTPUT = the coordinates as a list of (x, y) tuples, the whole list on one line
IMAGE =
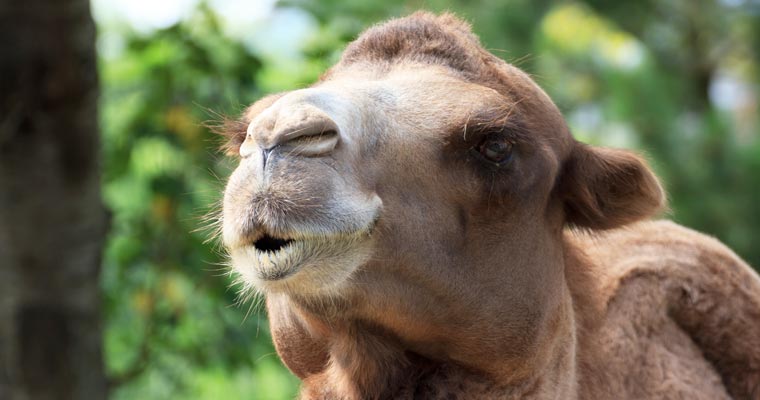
[(326, 134), (314, 143), (305, 130), (270, 243)]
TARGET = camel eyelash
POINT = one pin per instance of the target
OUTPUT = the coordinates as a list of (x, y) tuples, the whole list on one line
[(496, 121), (511, 132)]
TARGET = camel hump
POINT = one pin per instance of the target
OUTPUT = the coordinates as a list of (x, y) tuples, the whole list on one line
[(658, 273)]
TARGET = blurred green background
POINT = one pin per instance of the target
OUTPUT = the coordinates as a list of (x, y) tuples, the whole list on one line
[(676, 79)]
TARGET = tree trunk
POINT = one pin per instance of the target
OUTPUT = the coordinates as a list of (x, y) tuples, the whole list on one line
[(52, 221)]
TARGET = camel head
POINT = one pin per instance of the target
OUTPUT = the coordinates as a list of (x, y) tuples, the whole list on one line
[(421, 186)]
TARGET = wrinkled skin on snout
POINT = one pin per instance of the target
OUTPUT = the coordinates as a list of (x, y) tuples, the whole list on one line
[(411, 205)]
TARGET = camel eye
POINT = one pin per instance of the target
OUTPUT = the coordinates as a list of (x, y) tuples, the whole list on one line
[(495, 149)]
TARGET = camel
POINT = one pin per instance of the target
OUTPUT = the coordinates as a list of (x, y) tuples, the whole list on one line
[(423, 225)]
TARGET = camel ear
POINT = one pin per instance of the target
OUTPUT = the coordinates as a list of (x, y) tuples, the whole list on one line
[(606, 188)]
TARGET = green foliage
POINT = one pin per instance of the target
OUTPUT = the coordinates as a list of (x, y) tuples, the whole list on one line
[(620, 73), (171, 328)]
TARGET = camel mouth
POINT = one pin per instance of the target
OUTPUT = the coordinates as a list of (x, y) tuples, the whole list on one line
[(278, 262), (305, 258), (271, 243)]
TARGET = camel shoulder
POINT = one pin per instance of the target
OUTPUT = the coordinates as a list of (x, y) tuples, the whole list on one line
[(667, 252), (657, 274)]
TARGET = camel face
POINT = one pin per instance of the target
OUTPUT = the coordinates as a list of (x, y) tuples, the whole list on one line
[(407, 170), (418, 162)]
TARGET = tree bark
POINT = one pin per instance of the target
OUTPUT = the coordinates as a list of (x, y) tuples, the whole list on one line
[(52, 221)]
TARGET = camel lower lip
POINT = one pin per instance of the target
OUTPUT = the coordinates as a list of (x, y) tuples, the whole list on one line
[(274, 265)]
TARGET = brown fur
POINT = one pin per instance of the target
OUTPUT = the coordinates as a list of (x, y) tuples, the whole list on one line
[(458, 279)]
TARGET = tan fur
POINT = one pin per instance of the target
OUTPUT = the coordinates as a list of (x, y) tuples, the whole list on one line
[(418, 270), (682, 316)]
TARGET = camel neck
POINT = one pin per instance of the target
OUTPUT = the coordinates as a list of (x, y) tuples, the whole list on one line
[(365, 363)]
